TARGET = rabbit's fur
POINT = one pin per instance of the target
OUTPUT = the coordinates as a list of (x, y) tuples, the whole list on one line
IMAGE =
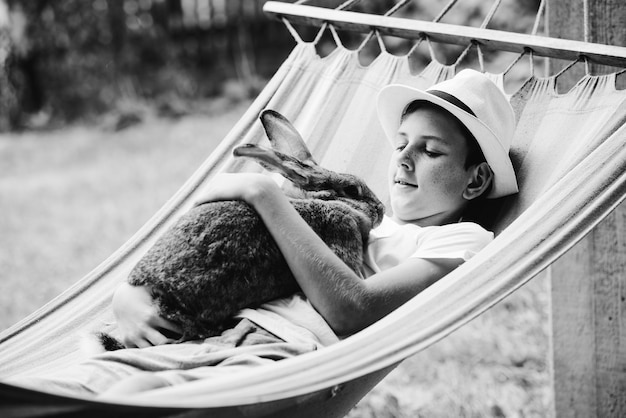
[(219, 257)]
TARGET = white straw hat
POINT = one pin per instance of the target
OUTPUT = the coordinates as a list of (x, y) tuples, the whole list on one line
[(478, 103)]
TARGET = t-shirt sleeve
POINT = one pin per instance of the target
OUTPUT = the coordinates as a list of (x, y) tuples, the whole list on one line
[(454, 241)]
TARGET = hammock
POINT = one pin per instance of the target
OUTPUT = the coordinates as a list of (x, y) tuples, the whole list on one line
[(570, 155)]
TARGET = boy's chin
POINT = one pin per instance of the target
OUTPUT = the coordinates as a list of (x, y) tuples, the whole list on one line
[(416, 218), (404, 211), (403, 217)]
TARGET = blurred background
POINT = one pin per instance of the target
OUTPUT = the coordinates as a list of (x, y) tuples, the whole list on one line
[(108, 106), (75, 60)]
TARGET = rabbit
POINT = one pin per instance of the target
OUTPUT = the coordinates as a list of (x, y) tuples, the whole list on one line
[(219, 257)]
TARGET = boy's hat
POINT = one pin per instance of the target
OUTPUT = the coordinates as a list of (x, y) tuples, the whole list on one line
[(478, 104)]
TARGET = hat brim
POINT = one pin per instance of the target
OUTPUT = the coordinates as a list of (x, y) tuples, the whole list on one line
[(393, 99)]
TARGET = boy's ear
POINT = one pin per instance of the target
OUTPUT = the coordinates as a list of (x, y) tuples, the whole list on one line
[(479, 182)]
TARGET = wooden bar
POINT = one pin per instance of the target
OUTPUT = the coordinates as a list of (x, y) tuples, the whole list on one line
[(451, 34)]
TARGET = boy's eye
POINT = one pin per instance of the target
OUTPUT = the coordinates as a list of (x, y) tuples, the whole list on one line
[(432, 153)]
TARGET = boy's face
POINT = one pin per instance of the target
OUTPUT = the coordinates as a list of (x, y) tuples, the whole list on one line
[(427, 174)]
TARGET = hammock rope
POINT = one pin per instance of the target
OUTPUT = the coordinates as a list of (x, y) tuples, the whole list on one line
[(483, 25), (347, 4), (399, 5), (568, 66), (373, 32), (538, 16), (437, 18), (517, 59), (294, 33), (529, 51)]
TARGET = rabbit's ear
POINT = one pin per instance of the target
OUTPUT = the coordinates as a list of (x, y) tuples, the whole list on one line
[(276, 162), (284, 137)]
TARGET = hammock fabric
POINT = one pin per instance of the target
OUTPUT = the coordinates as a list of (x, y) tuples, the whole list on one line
[(570, 156)]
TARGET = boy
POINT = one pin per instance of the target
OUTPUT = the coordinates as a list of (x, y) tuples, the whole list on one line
[(451, 147)]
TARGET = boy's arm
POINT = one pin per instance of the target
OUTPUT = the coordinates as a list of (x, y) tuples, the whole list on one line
[(346, 302)]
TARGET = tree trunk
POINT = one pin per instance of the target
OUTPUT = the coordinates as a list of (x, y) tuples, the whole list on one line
[(9, 109), (588, 284)]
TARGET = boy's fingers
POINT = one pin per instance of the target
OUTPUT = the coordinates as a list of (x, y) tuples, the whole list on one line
[(138, 343), (146, 338), (131, 341), (168, 325), (154, 337)]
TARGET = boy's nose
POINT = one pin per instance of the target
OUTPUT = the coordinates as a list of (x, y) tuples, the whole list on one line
[(405, 161)]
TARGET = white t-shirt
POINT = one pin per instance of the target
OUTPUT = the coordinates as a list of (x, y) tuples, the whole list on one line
[(295, 320), (391, 243)]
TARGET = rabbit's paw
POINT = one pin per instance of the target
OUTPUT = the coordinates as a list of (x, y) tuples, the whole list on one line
[(100, 342)]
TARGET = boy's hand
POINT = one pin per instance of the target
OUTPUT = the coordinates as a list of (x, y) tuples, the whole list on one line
[(138, 319), (248, 187)]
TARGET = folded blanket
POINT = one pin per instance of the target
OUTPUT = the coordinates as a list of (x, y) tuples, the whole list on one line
[(244, 346)]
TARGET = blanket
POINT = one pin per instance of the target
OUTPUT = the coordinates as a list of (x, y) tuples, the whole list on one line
[(244, 346)]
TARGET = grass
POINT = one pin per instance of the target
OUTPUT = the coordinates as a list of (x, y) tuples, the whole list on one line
[(70, 197), (496, 366)]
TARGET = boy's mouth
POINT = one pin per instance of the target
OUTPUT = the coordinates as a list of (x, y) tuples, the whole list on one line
[(402, 182)]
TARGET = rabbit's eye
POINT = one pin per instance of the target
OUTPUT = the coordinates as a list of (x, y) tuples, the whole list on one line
[(352, 190)]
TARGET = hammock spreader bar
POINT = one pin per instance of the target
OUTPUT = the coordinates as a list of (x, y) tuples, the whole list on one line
[(450, 34)]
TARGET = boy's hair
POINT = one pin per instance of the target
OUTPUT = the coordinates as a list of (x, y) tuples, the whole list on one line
[(480, 210)]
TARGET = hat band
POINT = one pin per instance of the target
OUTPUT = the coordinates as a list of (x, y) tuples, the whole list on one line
[(452, 100)]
